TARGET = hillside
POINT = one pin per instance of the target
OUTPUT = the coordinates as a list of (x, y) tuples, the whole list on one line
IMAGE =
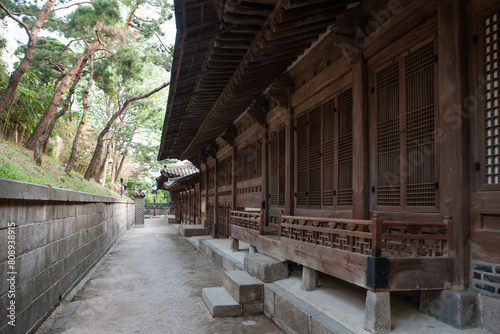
[(16, 163)]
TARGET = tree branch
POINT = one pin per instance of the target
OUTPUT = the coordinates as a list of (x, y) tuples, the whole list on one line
[(75, 4), (15, 19)]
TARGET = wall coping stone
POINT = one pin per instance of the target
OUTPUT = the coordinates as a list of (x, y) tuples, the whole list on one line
[(10, 189)]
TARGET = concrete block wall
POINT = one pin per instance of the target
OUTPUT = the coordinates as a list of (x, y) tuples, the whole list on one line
[(486, 281), (59, 235)]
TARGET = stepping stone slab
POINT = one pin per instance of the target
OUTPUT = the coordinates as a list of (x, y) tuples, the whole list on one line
[(244, 288), (265, 268), (220, 303)]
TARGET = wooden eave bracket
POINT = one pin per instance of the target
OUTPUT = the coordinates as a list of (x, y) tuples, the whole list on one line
[(258, 110), (278, 91), (203, 156), (345, 35), (211, 150), (229, 135)]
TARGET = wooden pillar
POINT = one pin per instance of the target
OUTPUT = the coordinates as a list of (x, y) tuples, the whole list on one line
[(233, 179), (360, 181), (265, 171), (453, 137), (206, 195), (289, 157), (216, 200)]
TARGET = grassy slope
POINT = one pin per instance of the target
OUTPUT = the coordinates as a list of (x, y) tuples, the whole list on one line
[(16, 163)]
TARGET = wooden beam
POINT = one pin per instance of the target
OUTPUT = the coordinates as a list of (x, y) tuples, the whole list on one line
[(360, 162), (454, 190)]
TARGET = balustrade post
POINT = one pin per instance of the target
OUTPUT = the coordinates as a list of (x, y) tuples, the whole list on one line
[(262, 221), (376, 236), (449, 230), (377, 271)]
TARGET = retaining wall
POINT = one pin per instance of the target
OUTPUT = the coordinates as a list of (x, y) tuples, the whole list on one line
[(58, 236)]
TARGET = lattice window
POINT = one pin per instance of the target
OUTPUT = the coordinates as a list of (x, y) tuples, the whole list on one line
[(492, 97), (420, 169), (277, 167), (344, 193), (274, 168), (406, 159), (388, 141), (329, 192), (302, 160), (249, 161), (315, 157), (281, 162)]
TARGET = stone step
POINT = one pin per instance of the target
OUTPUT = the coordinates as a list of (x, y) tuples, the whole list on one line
[(265, 268), (244, 288), (220, 303)]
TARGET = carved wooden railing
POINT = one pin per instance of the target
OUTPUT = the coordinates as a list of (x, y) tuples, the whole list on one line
[(250, 220), (343, 234), (416, 239), (390, 238)]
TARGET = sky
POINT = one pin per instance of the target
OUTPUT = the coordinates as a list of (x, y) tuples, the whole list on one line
[(16, 36)]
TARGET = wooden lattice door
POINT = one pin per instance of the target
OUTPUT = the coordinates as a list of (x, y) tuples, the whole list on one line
[(405, 130)]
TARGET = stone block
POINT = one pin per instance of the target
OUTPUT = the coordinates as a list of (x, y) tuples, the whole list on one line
[(378, 312), (242, 287), (220, 303), (193, 230), (490, 309), (455, 308), (235, 245), (309, 279), (265, 268), (294, 319), (253, 309), (268, 300), (323, 324)]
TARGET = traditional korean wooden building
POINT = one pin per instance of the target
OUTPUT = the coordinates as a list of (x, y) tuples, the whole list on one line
[(366, 131)]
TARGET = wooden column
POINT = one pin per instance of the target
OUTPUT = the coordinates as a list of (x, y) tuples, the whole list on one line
[(206, 195), (233, 179), (216, 200), (360, 158), (453, 140), (265, 171), (289, 158)]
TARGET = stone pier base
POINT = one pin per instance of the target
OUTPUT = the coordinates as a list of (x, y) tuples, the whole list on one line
[(455, 308), (378, 312), (309, 279)]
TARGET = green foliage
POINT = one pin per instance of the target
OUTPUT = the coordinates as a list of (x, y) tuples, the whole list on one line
[(49, 60), (28, 104), (16, 163), (84, 20)]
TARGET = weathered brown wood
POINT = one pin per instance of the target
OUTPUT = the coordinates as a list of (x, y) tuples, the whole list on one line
[(323, 79), (289, 157), (262, 221), (341, 264), (360, 186), (454, 169), (407, 274), (399, 25)]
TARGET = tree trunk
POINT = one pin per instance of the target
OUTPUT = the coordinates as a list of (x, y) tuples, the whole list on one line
[(104, 166), (37, 133), (74, 148), (101, 175), (117, 175), (44, 139), (28, 56), (100, 140), (114, 166)]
